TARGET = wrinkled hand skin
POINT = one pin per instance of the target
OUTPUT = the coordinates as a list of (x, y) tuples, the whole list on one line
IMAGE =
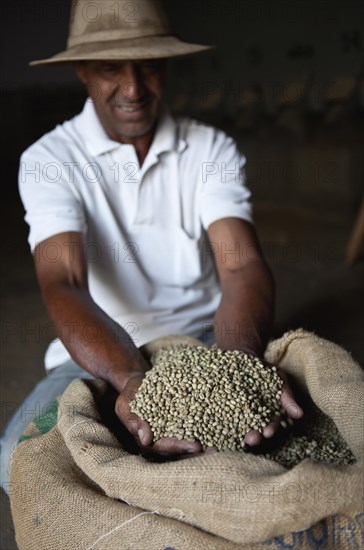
[(290, 406), (166, 447)]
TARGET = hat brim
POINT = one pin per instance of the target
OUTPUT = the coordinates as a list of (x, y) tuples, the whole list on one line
[(150, 47)]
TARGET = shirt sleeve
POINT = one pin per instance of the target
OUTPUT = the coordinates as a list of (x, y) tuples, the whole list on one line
[(224, 191), (51, 202)]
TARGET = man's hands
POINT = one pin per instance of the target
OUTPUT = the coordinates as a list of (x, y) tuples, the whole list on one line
[(290, 406), (166, 446), (171, 447)]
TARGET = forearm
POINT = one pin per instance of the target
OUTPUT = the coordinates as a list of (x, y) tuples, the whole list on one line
[(96, 342), (244, 318)]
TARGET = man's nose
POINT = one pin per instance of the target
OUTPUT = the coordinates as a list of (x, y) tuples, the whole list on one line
[(130, 83)]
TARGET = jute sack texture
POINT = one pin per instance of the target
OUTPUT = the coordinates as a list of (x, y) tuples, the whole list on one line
[(76, 486)]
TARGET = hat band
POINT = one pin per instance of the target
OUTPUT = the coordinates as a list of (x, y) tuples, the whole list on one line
[(117, 34)]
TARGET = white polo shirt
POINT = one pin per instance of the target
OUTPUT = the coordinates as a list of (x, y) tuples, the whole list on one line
[(150, 266)]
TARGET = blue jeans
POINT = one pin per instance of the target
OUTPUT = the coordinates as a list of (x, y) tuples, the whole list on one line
[(53, 385)]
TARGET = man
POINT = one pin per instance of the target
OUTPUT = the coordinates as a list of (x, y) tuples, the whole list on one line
[(140, 225)]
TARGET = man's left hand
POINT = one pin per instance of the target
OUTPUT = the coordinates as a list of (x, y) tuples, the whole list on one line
[(290, 406)]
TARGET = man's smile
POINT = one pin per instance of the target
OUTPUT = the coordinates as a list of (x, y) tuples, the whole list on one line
[(131, 108)]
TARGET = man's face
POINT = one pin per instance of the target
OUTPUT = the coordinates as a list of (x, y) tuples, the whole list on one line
[(127, 94)]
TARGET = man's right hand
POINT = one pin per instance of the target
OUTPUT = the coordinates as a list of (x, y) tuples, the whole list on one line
[(140, 429)]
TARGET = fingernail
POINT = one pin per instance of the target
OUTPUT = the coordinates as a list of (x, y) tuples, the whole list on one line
[(191, 450), (294, 410), (141, 435), (268, 433)]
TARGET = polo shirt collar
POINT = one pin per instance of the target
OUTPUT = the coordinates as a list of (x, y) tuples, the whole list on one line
[(166, 137), (95, 138)]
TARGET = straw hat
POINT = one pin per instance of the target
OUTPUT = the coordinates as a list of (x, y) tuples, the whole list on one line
[(120, 30)]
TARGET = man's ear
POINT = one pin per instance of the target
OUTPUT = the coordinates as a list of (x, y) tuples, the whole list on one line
[(80, 71)]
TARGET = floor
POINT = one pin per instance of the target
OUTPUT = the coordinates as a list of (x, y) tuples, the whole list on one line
[(315, 290)]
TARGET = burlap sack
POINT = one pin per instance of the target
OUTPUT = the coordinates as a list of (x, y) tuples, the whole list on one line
[(77, 486)]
